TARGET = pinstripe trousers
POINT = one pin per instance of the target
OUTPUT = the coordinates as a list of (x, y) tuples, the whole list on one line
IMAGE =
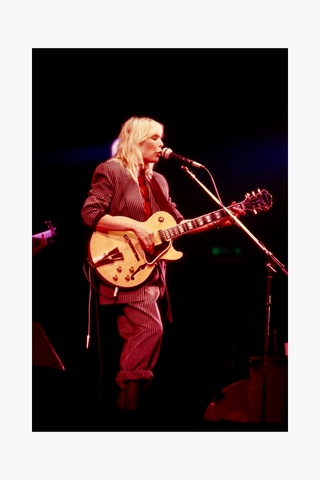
[(140, 326)]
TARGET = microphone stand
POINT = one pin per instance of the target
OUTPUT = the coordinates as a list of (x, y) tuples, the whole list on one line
[(271, 264)]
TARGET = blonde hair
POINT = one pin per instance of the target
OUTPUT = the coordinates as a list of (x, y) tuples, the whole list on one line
[(133, 132)]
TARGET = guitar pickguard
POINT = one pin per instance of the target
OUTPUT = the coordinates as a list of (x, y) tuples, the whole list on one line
[(158, 251)]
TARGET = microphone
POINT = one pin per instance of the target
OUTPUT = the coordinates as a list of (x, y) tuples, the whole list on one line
[(167, 153)]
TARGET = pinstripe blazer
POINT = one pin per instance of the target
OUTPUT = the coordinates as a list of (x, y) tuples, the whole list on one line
[(113, 191)]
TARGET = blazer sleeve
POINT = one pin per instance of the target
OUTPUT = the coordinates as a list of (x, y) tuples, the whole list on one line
[(100, 195)]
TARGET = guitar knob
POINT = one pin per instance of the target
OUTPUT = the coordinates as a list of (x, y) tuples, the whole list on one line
[(127, 277), (131, 269), (119, 269), (115, 277)]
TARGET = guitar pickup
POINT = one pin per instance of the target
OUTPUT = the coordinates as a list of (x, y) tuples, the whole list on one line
[(108, 257)]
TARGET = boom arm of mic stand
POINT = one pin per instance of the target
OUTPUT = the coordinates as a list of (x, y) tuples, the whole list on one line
[(237, 221)]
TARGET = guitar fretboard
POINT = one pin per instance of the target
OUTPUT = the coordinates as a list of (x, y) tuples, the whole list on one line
[(46, 234), (185, 227)]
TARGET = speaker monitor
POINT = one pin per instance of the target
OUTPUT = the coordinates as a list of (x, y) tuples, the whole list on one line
[(231, 405), (242, 401)]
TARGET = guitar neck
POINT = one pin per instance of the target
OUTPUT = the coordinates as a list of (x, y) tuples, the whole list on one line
[(46, 234), (196, 223)]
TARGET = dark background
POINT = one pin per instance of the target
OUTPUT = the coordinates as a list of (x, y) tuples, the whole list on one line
[(227, 109)]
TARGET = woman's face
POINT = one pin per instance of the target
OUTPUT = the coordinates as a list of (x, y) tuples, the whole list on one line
[(151, 148)]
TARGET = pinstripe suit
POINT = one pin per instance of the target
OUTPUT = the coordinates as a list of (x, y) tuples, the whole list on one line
[(113, 191)]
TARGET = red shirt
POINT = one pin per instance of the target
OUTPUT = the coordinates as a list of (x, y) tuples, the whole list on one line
[(145, 196)]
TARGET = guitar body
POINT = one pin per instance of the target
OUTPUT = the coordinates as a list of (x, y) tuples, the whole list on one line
[(119, 258)]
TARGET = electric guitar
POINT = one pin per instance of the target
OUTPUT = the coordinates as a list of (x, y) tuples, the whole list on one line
[(120, 260), (48, 235)]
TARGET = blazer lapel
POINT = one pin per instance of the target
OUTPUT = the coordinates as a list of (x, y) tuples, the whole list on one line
[(133, 199)]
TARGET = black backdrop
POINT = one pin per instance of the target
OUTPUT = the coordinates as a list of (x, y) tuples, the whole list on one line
[(227, 109)]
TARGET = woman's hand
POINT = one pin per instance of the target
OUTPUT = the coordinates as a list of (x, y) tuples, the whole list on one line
[(145, 236), (236, 212), (121, 224)]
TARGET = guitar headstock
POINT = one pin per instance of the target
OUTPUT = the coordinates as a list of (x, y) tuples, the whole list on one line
[(257, 202), (51, 232)]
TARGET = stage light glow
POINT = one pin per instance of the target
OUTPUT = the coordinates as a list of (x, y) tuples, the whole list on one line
[(114, 147), (218, 251)]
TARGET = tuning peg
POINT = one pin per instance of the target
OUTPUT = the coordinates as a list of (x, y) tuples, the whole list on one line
[(255, 212), (247, 195), (259, 190), (253, 192)]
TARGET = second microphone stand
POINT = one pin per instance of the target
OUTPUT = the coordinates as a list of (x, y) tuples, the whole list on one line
[(271, 264)]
